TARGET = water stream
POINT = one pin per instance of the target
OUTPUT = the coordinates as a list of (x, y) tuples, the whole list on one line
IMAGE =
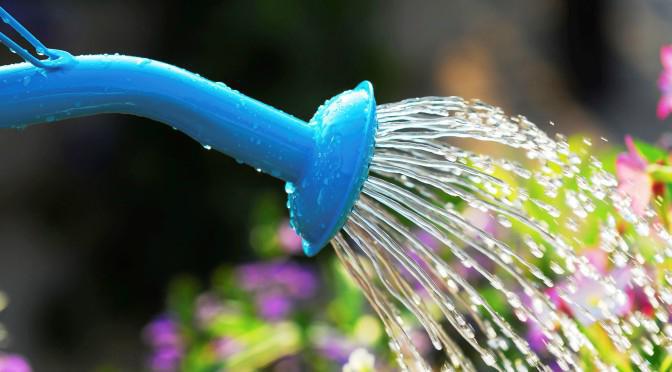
[(422, 259)]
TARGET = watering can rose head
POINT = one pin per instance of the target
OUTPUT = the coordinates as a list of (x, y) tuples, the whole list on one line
[(321, 201)]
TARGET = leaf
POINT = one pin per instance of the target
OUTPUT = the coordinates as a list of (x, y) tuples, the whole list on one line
[(662, 173), (666, 365), (650, 152)]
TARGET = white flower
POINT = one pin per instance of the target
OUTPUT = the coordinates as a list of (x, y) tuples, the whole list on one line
[(360, 360)]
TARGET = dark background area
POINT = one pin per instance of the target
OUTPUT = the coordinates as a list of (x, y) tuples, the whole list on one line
[(98, 214)]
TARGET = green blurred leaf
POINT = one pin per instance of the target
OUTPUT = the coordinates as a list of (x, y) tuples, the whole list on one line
[(347, 303), (666, 366), (650, 152), (182, 294), (662, 173)]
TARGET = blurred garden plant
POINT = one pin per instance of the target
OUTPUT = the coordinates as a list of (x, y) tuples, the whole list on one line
[(281, 313)]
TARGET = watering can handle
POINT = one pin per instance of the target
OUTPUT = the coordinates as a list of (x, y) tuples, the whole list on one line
[(55, 57)]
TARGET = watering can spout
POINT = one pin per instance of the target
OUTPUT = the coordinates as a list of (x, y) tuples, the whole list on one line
[(324, 161)]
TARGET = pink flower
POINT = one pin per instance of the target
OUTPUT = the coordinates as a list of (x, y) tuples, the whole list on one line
[(586, 299), (13, 363), (665, 82), (208, 308), (536, 338), (481, 220), (598, 258), (592, 298), (633, 179), (224, 347)]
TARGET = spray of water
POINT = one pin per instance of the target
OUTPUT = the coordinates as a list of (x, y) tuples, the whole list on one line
[(417, 175)]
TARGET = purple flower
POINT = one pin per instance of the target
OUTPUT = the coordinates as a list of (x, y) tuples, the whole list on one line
[(290, 277), (277, 285), (13, 363), (536, 338), (665, 83), (290, 241), (163, 335), (332, 344), (299, 281), (427, 239), (162, 331), (421, 341), (336, 350), (543, 316), (165, 359), (273, 306)]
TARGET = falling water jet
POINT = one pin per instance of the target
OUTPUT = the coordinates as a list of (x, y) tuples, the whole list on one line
[(415, 166)]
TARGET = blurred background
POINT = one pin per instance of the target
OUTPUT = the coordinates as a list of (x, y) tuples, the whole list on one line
[(97, 215)]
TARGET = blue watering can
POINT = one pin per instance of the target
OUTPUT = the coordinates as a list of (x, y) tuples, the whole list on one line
[(324, 161)]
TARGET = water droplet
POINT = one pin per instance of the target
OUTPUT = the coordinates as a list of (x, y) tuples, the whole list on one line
[(290, 188)]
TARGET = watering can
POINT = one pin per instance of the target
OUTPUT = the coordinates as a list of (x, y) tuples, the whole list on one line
[(324, 161)]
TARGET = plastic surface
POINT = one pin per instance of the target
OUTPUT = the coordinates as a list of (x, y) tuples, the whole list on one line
[(211, 113), (324, 161), (345, 131), (54, 57)]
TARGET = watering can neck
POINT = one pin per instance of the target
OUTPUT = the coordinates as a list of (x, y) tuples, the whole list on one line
[(213, 114)]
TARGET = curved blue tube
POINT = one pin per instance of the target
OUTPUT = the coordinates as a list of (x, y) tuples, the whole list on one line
[(211, 113), (325, 161)]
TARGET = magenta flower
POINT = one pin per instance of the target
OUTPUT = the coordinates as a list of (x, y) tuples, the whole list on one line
[(426, 239), (665, 83), (273, 306), (536, 338), (277, 286), (165, 359), (633, 179), (162, 331), (162, 334), (13, 363), (296, 280)]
